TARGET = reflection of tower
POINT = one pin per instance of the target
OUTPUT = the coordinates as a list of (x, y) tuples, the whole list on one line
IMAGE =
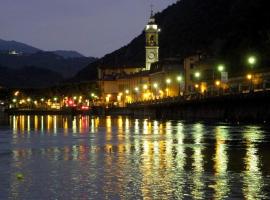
[(151, 46)]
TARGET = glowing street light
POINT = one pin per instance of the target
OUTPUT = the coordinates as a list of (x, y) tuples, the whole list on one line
[(168, 81), (252, 60), (145, 87), (179, 78), (16, 93), (221, 68), (217, 83), (28, 99), (136, 89), (127, 91), (249, 76), (197, 75), (14, 100)]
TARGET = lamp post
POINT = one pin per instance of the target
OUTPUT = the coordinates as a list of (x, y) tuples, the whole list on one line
[(168, 82), (137, 92), (179, 80), (252, 60), (197, 75), (223, 78), (155, 85)]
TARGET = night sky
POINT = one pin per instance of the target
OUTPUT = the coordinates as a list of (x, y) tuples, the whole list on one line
[(92, 27)]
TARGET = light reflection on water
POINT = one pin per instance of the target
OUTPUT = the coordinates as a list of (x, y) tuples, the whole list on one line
[(86, 157)]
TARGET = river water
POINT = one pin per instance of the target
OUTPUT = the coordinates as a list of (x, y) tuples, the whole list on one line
[(82, 157)]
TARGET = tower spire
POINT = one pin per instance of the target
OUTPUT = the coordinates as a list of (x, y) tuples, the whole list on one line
[(152, 18), (152, 10)]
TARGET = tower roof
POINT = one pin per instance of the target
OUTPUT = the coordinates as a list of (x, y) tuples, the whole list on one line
[(152, 17)]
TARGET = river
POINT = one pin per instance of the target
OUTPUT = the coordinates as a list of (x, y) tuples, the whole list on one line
[(84, 157)]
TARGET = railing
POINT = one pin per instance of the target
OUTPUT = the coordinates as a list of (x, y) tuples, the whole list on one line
[(242, 90)]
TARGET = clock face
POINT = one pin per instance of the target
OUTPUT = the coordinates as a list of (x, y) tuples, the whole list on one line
[(151, 55)]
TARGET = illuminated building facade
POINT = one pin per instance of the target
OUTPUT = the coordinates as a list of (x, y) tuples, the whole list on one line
[(151, 40)]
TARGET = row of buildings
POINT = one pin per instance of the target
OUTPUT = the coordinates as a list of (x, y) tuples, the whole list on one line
[(165, 78)]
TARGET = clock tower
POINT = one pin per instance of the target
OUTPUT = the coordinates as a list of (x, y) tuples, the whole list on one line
[(151, 46)]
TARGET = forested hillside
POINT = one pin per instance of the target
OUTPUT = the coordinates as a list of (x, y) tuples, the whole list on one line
[(228, 30)]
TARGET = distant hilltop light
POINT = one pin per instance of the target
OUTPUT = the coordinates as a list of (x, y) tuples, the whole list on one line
[(13, 52)]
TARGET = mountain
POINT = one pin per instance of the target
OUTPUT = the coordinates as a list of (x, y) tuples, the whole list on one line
[(17, 46), (68, 54), (28, 77), (47, 60), (228, 30)]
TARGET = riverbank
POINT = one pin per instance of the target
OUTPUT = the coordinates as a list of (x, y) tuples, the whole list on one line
[(249, 107)]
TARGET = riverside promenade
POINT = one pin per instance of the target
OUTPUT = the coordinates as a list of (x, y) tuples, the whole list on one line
[(247, 107)]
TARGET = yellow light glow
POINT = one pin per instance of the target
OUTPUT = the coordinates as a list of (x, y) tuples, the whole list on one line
[(127, 91), (217, 83), (155, 85), (168, 81), (16, 93), (197, 86), (249, 76), (251, 60), (136, 89), (197, 74), (221, 68), (179, 78), (145, 87)]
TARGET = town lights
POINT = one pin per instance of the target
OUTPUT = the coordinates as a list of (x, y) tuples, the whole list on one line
[(196, 86), (145, 87), (249, 76), (55, 98), (16, 93), (179, 78), (136, 89), (217, 83), (168, 81), (252, 60), (220, 68), (14, 100), (127, 91), (28, 99), (197, 74), (155, 85)]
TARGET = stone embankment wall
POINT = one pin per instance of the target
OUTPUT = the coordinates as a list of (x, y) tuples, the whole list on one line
[(251, 107)]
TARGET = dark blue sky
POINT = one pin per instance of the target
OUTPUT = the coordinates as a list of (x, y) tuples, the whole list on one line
[(92, 27)]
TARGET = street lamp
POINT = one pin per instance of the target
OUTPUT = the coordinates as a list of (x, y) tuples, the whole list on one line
[(179, 79), (252, 61), (249, 78), (155, 85), (168, 81), (221, 68), (145, 87)]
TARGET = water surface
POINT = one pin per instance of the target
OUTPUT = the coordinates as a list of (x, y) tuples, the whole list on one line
[(86, 157)]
